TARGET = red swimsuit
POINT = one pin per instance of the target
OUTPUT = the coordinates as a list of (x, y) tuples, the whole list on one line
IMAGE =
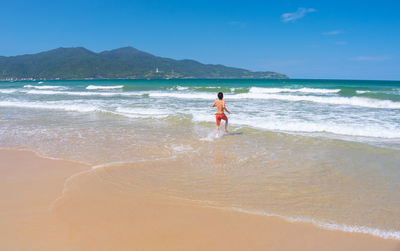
[(220, 116)]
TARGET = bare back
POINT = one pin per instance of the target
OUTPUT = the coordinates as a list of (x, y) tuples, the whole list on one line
[(220, 104)]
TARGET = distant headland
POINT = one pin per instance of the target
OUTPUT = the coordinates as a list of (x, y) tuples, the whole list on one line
[(122, 63)]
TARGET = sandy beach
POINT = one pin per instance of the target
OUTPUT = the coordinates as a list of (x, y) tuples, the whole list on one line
[(61, 205), (200, 125)]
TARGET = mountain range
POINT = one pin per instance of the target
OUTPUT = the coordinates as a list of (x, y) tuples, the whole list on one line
[(126, 62)]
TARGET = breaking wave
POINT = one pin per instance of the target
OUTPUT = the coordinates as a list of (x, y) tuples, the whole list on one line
[(104, 87), (45, 87), (300, 90)]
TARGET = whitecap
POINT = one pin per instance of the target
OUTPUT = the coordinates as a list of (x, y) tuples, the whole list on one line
[(7, 91), (352, 101), (76, 93), (387, 131), (182, 88), (208, 96), (44, 87), (302, 90), (361, 92), (104, 87)]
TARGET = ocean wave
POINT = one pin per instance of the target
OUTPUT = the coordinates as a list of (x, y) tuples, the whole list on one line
[(302, 90), (7, 91), (104, 87), (321, 127), (178, 88), (361, 92), (192, 95), (286, 125), (181, 88), (50, 106), (352, 101), (385, 234), (44, 87), (75, 93)]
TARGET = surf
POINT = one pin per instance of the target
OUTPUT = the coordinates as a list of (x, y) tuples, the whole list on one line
[(104, 87)]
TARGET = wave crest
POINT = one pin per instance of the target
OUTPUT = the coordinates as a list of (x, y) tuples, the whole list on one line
[(353, 101), (104, 87), (301, 90)]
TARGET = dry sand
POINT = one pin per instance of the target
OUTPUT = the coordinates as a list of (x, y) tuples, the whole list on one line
[(42, 209)]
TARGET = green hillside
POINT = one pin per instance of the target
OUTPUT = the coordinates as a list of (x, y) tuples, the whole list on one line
[(126, 62)]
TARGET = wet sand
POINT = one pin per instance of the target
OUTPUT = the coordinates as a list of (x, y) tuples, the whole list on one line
[(43, 208)]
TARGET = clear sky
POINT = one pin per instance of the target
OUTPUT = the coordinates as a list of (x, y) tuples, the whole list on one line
[(303, 39)]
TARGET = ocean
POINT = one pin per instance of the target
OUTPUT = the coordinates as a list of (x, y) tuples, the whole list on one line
[(320, 151)]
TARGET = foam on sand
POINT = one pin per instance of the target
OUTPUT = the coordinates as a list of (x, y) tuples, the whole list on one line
[(385, 234), (84, 189), (141, 112), (50, 106)]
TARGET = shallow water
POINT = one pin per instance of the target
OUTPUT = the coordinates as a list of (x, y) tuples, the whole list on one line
[(321, 151)]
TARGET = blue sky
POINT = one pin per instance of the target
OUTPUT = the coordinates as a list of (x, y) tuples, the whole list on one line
[(303, 39)]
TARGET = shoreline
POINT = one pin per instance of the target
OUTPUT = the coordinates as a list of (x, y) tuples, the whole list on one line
[(87, 213), (294, 79)]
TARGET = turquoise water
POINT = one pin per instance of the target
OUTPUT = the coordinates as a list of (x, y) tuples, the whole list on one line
[(363, 111), (321, 151)]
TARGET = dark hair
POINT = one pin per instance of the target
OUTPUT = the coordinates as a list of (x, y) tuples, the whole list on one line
[(220, 95)]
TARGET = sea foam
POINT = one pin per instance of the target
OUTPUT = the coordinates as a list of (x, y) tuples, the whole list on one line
[(182, 88), (385, 234), (50, 106), (104, 87), (8, 91), (376, 131), (45, 87), (334, 100), (301, 90), (78, 93), (352, 101), (197, 95), (387, 131), (142, 112)]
